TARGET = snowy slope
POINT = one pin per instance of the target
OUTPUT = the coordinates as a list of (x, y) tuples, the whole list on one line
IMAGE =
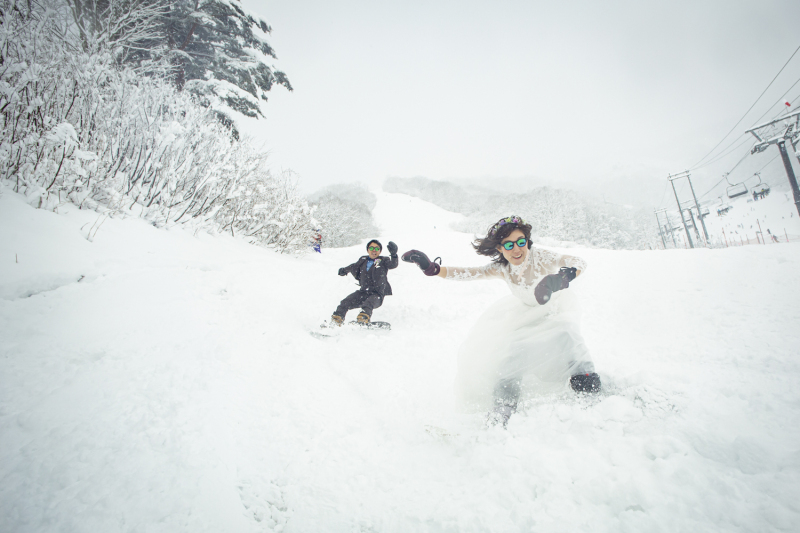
[(154, 380), (775, 214), (740, 224)]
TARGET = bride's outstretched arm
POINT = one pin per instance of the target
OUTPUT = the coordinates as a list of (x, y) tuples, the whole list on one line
[(552, 262), (471, 273), (431, 268)]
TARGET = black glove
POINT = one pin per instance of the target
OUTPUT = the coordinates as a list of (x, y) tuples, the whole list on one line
[(428, 267), (343, 271), (568, 272), (553, 283), (392, 248)]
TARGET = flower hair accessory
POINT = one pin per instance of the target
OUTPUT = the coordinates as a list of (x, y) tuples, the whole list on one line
[(503, 221)]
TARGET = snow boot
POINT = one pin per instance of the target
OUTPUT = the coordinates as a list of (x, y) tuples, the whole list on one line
[(506, 397), (499, 415), (363, 318), (585, 383), (336, 320)]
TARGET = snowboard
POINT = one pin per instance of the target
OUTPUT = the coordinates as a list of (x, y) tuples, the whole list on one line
[(372, 325), (327, 331), (440, 433)]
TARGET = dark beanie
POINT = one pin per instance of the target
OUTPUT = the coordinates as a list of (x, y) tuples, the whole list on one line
[(376, 241)]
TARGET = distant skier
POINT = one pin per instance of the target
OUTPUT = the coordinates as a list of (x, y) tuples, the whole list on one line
[(772, 236), (526, 343), (371, 272), (317, 241)]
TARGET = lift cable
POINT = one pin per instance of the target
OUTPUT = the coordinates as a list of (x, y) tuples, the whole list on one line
[(748, 111)]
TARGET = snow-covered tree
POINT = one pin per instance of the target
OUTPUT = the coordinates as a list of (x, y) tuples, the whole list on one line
[(344, 214), (268, 210), (215, 49), (221, 53), (129, 27)]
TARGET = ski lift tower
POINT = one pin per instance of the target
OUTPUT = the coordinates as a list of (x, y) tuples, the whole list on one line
[(700, 215), (660, 229), (683, 219), (779, 131), (685, 174)]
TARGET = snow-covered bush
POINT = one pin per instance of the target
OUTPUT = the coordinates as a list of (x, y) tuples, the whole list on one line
[(344, 214), (268, 210), (78, 127)]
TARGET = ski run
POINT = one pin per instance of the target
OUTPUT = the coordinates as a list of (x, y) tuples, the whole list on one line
[(160, 381)]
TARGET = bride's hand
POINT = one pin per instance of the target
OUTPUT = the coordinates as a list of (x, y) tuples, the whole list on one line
[(428, 267)]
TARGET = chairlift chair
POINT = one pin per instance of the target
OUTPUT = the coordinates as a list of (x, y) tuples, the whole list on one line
[(736, 190), (760, 187)]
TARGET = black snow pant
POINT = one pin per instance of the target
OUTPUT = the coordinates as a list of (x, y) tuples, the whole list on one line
[(366, 300)]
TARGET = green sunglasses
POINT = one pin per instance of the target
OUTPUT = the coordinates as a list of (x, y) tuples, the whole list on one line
[(374, 249), (510, 244)]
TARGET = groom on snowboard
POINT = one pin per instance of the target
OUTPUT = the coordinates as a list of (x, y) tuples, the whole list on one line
[(370, 271)]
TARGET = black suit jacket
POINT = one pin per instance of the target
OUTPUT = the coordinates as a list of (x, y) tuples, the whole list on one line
[(374, 279)]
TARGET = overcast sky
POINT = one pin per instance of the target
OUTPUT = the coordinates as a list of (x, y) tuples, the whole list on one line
[(577, 93)]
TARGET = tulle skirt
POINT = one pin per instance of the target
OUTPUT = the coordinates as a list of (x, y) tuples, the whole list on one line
[(534, 348)]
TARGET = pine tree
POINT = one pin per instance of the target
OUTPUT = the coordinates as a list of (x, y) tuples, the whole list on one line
[(216, 49), (221, 53)]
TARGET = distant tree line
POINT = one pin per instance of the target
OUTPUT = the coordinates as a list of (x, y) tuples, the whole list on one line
[(123, 106), (558, 214)]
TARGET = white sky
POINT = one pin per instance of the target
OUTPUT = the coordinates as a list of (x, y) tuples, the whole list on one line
[(569, 93)]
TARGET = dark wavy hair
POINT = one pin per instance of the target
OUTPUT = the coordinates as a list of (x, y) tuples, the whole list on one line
[(495, 235)]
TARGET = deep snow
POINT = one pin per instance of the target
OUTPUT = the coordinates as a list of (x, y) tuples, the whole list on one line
[(156, 380)]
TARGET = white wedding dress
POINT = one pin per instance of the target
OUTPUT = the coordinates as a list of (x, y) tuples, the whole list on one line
[(519, 348)]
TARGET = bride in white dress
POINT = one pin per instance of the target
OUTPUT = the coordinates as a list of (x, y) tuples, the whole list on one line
[(525, 344)]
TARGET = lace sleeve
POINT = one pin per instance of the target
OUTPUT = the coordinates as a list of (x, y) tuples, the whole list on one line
[(572, 261), (492, 270), (548, 262)]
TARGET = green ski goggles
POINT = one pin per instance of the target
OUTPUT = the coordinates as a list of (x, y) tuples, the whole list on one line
[(510, 244)]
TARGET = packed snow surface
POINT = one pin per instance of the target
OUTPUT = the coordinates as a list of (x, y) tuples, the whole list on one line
[(155, 380)]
